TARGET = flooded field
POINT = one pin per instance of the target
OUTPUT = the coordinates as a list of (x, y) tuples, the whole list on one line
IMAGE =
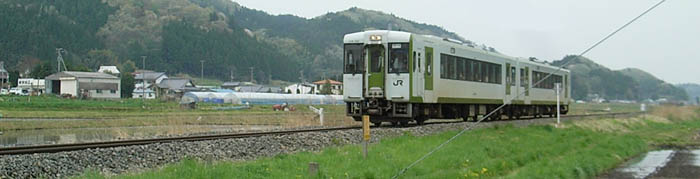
[(81, 135), (660, 164)]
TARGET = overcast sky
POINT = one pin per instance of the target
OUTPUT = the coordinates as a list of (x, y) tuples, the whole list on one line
[(665, 42)]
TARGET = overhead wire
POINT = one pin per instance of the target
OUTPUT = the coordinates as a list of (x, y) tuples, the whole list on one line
[(402, 171)]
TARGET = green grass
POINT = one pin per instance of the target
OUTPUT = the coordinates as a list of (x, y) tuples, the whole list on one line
[(590, 108), (580, 149), (531, 152)]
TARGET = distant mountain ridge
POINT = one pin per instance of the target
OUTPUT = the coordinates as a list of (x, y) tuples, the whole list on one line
[(589, 77)]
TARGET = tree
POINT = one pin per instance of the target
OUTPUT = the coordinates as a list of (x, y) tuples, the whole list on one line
[(326, 87), (127, 87), (14, 78), (40, 71), (127, 67)]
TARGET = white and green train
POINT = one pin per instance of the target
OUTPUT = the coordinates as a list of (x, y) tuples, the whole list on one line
[(399, 77)]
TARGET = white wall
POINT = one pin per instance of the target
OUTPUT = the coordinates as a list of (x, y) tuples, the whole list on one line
[(69, 86), (104, 93)]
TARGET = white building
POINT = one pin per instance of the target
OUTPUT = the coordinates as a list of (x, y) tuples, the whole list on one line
[(146, 81), (34, 86), (141, 93), (84, 84), (301, 88), (109, 69), (336, 86)]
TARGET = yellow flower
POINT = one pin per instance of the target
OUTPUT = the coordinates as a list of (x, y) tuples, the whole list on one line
[(484, 170)]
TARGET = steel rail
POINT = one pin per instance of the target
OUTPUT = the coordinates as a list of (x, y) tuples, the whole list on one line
[(52, 148)]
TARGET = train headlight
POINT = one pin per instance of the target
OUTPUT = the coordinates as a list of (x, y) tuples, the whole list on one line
[(375, 37)]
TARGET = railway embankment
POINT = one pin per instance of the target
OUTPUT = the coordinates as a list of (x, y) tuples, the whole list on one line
[(578, 148)]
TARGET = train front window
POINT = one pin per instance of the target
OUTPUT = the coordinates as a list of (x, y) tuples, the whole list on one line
[(376, 58), (354, 60), (398, 58)]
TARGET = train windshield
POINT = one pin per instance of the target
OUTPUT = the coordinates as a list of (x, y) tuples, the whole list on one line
[(354, 59), (398, 58), (376, 58)]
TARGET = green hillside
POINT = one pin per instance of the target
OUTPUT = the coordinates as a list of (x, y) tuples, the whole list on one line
[(176, 34), (589, 77)]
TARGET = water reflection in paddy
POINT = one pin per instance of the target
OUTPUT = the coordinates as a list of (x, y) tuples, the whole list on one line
[(82, 135)]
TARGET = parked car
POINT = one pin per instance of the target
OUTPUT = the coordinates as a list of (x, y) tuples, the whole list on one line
[(4, 92), (19, 91)]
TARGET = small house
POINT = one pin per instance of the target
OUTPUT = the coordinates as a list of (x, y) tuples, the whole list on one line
[(336, 86)]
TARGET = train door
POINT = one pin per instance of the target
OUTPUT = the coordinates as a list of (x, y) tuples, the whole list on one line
[(375, 72), (418, 76), (428, 73), (508, 83), (526, 85)]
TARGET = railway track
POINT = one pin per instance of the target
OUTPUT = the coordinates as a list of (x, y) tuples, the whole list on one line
[(107, 144)]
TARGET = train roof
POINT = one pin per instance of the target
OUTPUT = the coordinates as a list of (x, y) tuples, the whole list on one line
[(400, 36)]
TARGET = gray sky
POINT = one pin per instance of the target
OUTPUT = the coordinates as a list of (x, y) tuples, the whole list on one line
[(665, 42)]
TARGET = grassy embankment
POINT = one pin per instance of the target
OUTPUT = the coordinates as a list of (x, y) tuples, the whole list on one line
[(579, 149), (133, 112)]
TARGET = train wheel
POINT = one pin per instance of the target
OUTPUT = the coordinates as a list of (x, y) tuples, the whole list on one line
[(395, 124), (420, 120), (377, 124), (404, 123)]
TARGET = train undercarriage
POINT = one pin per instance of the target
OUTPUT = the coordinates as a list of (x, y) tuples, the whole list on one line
[(403, 113)]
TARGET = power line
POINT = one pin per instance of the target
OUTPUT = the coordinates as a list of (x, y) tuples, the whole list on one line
[(538, 82)]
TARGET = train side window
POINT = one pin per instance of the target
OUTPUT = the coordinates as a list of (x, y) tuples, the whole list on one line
[(497, 74), (460, 69), (451, 68), (429, 63), (485, 72), (512, 76), (443, 62), (477, 71)]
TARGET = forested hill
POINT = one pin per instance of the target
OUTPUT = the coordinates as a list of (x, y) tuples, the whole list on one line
[(589, 77), (176, 34)]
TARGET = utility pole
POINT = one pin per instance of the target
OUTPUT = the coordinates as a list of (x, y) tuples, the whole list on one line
[(59, 58), (252, 75), (231, 76), (143, 78), (301, 76), (201, 73)]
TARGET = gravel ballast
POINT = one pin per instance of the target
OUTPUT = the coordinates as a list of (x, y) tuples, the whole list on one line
[(120, 160)]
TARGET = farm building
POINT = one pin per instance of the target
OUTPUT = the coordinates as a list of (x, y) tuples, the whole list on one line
[(84, 84), (173, 88)]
